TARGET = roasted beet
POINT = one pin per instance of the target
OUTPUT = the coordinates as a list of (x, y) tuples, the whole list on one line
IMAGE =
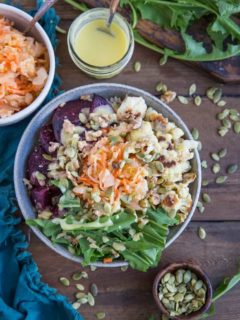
[(46, 135), (36, 162), (69, 111), (42, 197), (100, 105)]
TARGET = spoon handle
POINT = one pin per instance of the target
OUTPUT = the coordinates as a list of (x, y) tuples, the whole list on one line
[(113, 8), (41, 11)]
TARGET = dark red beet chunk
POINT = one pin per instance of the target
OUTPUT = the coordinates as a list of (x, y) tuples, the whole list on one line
[(100, 104), (36, 162), (46, 135), (69, 111), (42, 197)]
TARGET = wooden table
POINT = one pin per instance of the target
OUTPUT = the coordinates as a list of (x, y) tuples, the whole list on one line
[(127, 295)]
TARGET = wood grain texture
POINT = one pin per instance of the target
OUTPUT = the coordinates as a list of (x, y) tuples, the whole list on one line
[(127, 295)]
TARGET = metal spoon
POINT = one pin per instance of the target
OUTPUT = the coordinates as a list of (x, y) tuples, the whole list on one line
[(113, 8), (41, 11)]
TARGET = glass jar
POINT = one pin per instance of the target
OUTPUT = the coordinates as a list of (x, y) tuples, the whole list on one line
[(82, 20)]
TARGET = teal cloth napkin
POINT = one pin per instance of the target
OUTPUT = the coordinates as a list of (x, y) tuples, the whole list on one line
[(22, 294)]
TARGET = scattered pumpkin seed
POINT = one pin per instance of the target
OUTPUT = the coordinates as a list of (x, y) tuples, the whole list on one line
[(79, 275), (234, 112), (226, 123), (94, 289), (64, 281), (192, 89), (222, 115), (182, 99), (216, 168), (93, 268), (100, 315), (161, 87), (202, 233), (91, 299), (124, 268), (80, 295), (217, 95), (236, 127), (206, 198), (222, 153), (210, 92), (205, 182), (232, 168), (197, 101), (118, 246), (137, 66), (204, 164), (215, 156), (80, 287), (195, 133), (221, 179), (234, 117), (222, 131), (221, 103), (76, 305)]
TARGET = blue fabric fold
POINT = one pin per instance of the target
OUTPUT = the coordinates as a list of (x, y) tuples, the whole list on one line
[(22, 294)]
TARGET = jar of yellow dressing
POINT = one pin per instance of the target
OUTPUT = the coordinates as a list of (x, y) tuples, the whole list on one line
[(95, 52)]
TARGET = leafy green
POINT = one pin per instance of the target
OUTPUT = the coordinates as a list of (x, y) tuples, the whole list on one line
[(226, 285), (180, 15), (94, 239)]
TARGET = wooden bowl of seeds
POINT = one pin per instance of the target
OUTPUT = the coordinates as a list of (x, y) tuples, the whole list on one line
[(182, 291)]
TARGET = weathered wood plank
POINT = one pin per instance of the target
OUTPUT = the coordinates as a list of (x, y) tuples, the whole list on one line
[(127, 295)]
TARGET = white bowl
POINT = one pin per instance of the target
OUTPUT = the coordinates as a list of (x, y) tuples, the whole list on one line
[(21, 20)]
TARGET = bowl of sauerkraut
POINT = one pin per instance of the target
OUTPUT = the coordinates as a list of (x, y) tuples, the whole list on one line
[(27, 65), (107, 174)]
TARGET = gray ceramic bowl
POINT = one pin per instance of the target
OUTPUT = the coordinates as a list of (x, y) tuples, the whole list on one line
[(31, 133)]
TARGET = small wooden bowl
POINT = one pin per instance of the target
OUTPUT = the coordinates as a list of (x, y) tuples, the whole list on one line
[(172, 268)]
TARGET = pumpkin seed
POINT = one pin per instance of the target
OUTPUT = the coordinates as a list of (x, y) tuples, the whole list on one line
[(171, 279), (221, 179), (179, 275), (171, 288), (197, 101), (118, 246), (76, 305), (206, 198), (236, 127), (182, 99), (216, 168), (192, 89), (234, 112), (232, 168), (202, 233), (222, 131), (100, 315), (200, 207), (215, 156), (205, 182), (201, 293), (195, 133), (161, 87), (222, 153), (83, 118), (204, 164), (187, 276), (94, 289), (91, 299), (178, 297), (198, 285), (80, 295), (166, 277), (234, 117), (47, 157), (80, 287), (64, 281), (137, 66), (189, 297), (210, 92), (217, 95), (93, 268), (124, 268), (221, 103), (226, 123), (222, 115), (83, 300)]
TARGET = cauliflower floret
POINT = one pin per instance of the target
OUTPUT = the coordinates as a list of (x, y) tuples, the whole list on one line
[(132, 110)]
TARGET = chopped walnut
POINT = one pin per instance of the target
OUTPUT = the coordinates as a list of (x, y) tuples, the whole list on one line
[(168, 96), (93, 135)]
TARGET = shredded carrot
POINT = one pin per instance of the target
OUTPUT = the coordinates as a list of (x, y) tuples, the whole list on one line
[(23, 69), (107, 260)]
